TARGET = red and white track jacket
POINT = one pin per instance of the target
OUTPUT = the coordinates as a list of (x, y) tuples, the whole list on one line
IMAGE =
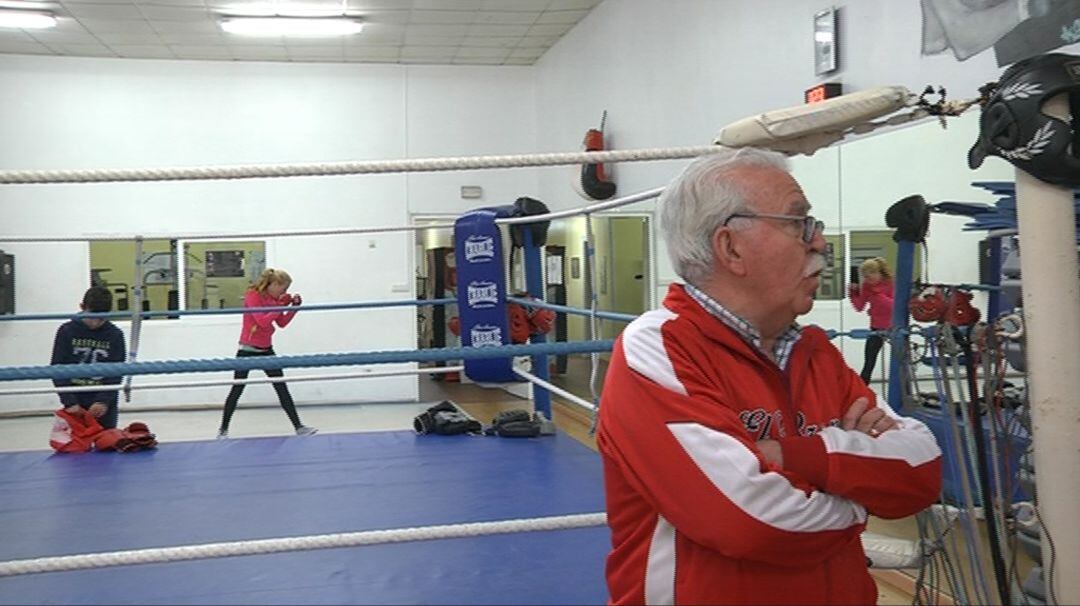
[(696, 514)]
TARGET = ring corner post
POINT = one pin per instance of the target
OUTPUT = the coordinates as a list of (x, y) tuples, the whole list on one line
[(1047, 220), (534, 284), (910, 217)]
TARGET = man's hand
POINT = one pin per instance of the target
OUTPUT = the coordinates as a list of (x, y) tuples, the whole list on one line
[(872, 422), (75, 410), (770, 449), (98, 409)]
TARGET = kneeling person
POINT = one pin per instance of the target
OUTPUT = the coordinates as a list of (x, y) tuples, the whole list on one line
[(86, 341)]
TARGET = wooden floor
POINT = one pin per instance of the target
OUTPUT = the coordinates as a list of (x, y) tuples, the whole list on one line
[(484, 403), (895, 587)]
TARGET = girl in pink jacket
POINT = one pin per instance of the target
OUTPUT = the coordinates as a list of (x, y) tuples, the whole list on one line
[(255, 340), (876, 290)]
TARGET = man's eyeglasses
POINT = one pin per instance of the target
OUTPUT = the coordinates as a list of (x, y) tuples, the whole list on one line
[(810, 225)]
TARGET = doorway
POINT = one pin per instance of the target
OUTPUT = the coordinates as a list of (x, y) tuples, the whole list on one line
[(623, 283), (623, 267)]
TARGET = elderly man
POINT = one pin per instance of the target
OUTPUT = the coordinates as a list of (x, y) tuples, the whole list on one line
[(741, 454)]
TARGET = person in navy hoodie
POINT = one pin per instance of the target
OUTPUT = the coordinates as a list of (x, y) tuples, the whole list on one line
[(876, 290), (256, 340), (84, 340)]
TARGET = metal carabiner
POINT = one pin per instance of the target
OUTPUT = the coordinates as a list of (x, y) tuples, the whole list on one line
[(1010, 326)]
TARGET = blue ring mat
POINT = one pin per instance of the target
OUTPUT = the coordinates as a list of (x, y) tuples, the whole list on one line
[(256, 488)]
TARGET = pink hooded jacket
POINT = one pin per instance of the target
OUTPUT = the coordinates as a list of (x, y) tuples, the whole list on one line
[(880, 297), (258, 329)]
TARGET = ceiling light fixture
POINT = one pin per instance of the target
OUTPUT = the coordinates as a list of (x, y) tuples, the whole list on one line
[(292, 26), (26, 19)]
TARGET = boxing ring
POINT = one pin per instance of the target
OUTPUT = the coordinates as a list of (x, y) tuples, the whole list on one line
[(376, 517), (372, 517)]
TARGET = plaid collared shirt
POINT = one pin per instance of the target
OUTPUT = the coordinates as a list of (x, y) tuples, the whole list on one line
[(784, 343)]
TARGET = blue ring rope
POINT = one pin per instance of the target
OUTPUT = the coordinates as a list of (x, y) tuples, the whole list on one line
[(118, 369), (857, 333), (231, 310), (603, 315)]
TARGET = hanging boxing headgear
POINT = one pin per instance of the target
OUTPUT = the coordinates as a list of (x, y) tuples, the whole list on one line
[(910, 217), (1013, 125)]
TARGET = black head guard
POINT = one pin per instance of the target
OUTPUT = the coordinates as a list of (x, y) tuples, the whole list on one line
[(1013, 125)]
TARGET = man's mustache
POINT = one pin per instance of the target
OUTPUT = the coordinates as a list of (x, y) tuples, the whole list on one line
[(814, 264)]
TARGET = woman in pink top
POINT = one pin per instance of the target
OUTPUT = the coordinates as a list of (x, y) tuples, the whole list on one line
[(255, 340), (876, 290)]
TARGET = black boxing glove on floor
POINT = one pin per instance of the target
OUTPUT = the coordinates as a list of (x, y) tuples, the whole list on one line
[(445, 418), (514, 424)]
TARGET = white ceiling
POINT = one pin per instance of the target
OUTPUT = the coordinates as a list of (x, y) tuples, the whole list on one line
[(457, 32)]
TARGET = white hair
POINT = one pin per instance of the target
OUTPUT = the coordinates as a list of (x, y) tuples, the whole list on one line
[(698, 201)]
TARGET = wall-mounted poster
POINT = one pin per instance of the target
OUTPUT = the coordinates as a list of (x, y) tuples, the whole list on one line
[(554, 270), (831, 282), (224, 264)]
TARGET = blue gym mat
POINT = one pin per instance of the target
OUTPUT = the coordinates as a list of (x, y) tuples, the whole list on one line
[(257, 488)]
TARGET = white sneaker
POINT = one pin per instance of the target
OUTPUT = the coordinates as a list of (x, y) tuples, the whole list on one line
[(304, 430), (223, 434)]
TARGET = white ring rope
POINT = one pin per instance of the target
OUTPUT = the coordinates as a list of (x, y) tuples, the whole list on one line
[(289, 379), (584, 210), (594, 325), (324, 541), (555, 389), (213, 236), (322, 169)]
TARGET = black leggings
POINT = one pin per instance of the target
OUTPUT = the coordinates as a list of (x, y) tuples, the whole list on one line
[(279, 386), (873, 348)]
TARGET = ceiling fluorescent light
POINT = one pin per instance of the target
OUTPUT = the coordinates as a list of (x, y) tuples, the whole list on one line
[(292, 26), (26, 19), (283, 9)]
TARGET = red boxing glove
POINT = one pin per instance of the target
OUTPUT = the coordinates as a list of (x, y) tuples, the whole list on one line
[(297, 300), (519, 323), (541, 321), (108, 439), (139, 434)]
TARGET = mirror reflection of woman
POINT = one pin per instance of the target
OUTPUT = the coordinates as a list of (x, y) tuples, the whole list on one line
[(874, 290)]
